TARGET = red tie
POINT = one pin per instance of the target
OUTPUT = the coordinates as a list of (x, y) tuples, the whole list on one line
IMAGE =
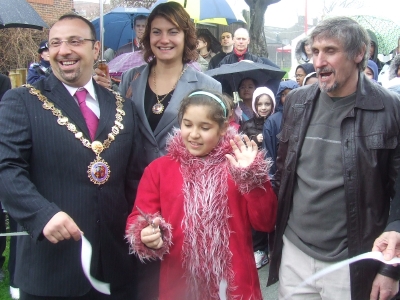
[(91, 119)]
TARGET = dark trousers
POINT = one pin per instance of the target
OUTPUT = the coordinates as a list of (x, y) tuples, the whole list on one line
[(260, 240)]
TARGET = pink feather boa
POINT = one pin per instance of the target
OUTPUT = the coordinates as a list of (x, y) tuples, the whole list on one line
[(206, 254)]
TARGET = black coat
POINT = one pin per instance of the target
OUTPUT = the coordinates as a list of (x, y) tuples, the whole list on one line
[(252, 128), (370, 158)]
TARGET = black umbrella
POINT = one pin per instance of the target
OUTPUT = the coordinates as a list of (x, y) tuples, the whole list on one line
[(230, 75), (215, 43), (19, 13)]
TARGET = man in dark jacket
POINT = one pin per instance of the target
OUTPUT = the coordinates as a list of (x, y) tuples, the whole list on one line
[(241, 41), (338, 158), (226, 48)]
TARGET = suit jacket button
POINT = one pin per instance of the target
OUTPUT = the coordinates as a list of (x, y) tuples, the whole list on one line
[(156, 150)]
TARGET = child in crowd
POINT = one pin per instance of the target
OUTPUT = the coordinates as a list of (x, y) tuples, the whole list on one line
[(196, 205), (233, 119), (263, 106), (310, 78), (371, 71)]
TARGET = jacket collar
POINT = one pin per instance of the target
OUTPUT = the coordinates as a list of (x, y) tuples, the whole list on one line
[(367, 97), (56, 92)]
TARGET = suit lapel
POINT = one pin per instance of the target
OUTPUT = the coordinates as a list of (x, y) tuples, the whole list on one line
[(182, 89), (56, 92), (107, 110)]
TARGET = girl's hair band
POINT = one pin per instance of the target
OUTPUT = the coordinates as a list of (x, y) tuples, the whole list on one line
[(212, 96)]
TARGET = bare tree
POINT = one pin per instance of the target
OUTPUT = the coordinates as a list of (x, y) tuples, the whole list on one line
[(330, 5), (19, 47), (258, 44)]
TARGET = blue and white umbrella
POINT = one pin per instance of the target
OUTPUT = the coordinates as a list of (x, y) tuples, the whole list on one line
[(118, 26), (208, 11)]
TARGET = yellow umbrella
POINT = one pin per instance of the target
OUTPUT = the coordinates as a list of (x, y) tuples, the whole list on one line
[(208, 11)]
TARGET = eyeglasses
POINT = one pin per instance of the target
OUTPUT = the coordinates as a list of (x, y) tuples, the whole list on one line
[(72, 42)]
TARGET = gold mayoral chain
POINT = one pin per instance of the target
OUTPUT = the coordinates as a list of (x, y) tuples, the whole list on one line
[(158, 108), (98, 170)]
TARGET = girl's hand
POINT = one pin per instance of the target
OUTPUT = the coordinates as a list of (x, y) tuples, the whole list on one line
[(260, 138), (151, 235), (245, 152)]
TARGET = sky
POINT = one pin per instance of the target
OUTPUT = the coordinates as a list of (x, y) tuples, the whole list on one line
[(284, 13)]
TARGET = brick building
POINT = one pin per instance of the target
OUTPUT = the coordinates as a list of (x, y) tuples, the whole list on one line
[(51, 10)]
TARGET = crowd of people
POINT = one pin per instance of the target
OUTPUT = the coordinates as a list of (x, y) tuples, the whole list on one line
[(184, 193)]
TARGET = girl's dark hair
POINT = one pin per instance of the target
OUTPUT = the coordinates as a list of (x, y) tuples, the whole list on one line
[(205, 38), (258, 99), (248, 78), (216, 111), (177, 15)]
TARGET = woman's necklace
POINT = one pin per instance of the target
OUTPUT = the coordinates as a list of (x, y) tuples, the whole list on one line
[(158, 108)]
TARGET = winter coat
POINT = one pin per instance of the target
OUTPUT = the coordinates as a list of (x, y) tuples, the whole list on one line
[(374, 40), (300, 52), (307, 67), (252, 128), (38, 71), (232, 58), (272, 125), (215, 60), (394, 66), (370, 139), (208, 208), (374, 68)]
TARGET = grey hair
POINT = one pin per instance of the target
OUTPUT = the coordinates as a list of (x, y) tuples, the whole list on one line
[(241, 30), (353, 36)]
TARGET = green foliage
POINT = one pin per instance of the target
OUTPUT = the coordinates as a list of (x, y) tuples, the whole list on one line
[(4, 286)]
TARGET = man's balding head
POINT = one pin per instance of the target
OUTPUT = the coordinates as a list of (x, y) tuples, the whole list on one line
[(241, 39)]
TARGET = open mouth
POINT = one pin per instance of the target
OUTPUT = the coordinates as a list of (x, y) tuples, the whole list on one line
[(68, 63), (325, 74)]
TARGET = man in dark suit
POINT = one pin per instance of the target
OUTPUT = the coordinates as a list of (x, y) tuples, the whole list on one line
[(67, 165)]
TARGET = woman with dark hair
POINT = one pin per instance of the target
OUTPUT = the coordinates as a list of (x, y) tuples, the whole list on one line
[(158, 87), (247, 86), (204, 46)]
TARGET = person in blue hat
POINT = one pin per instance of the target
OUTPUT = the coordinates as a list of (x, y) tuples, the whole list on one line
[(42, 69)]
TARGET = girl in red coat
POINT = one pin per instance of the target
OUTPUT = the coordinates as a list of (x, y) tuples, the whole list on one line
[(196, 205)]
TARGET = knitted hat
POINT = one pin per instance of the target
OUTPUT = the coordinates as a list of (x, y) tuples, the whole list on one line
[(43, 46), (260, 91)]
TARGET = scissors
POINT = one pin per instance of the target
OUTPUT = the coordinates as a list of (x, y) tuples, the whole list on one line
[(146, 217)]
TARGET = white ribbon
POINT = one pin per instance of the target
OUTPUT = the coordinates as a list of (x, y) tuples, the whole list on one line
[(369, 255), (14, 233), (86, 258)]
